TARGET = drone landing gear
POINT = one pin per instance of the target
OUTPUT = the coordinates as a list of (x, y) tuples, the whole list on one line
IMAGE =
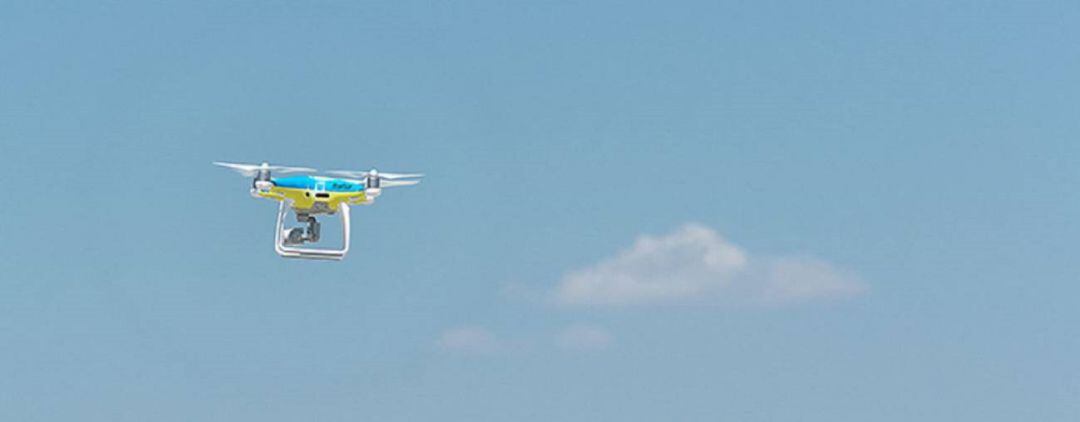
[(286, 241)]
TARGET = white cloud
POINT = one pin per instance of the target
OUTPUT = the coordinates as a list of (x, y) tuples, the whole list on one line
[(582, 337), (695, 264), (469, 340)]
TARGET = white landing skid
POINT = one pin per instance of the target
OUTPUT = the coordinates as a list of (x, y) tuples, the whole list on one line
[(310, 253)]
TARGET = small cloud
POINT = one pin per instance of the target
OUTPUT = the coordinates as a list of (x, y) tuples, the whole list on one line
[(696, 264), (469, 340), (583, 338)]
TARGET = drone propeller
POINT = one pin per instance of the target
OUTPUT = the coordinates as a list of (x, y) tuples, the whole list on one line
[(375, 173), (376, 179), (392, 183), (251, 170)]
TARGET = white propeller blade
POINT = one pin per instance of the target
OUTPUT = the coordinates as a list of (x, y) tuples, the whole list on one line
[(375, 173), (395, 176), (393, 183), (349, 173), (251, 170)]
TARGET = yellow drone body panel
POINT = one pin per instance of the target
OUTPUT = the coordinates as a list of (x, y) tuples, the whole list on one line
[(303, 199)]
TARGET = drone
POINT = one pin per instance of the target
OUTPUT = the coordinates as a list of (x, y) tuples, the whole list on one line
[(310, 196)]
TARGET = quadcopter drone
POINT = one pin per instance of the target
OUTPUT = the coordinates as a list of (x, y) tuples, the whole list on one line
[(309, 196)]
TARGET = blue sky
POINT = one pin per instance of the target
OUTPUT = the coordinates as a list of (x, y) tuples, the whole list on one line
[(908, 169)]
